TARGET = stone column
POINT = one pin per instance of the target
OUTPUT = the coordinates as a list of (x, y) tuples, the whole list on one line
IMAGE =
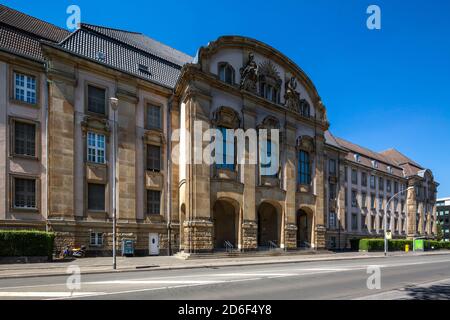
[(319, 218), (249, 226), (290, 185), (198, 228)]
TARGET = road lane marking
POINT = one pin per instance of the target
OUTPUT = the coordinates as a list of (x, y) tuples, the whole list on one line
[(37, 294)]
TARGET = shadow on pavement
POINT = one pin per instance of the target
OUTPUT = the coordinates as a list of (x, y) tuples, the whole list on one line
[(435, 292)]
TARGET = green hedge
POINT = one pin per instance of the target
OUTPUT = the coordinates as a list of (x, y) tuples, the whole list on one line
[(399, 245), (18, 243)]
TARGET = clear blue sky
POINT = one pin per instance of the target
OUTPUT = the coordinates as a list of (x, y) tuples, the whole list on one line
[(382, 89)]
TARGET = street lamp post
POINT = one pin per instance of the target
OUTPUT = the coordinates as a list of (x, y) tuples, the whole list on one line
[(385, 218), (114, 103)]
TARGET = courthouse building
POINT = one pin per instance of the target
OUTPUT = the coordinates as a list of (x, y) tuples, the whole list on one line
[(58, 94)]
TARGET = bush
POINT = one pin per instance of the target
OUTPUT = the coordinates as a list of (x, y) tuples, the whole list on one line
[(29, 243), (399, 245)]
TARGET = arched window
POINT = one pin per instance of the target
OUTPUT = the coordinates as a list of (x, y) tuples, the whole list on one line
[(269, 82), (304, 168), (226, 73)]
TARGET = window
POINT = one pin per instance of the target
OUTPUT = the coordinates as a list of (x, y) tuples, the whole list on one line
[(388, 186), (25, 88), (332, 191), (354, 221), (226, 73), (96, 147), (266, 158), (332, 167), (225, 157), (304, 168), (332, 220), (357, 157), (354, 177), (96, 100), (25, 193), (372, 201), (24, 139), (96, 239), (364, 200), (96, 197), (364, 179), (374, 164), (395, 187), (153, 158), (396, 224), (402, 204), (380, 203), (354, 199), (269, 92), (389, 169), (153, 202), (153, 117), (372, 182), (381, 184)]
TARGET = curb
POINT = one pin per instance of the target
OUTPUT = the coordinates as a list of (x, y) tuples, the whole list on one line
[(206, 266)]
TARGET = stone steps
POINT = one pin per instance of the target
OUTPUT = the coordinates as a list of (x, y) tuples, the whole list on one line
[(249, 254)]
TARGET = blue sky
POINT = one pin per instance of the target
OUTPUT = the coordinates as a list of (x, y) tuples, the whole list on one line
[(383, 89)]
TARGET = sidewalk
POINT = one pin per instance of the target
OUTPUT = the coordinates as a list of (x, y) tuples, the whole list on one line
[(103, 264)]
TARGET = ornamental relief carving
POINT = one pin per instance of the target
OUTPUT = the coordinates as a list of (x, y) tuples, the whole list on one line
[(306, 143), (249, 75), (226, 117), (95, 124)]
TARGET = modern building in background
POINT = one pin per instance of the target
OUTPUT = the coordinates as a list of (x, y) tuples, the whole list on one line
[(443, 217), (56, 147)]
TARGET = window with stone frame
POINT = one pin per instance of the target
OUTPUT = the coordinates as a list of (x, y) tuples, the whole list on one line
[(380, 203), (225, 155), (96, 239), (372, 182), (380, 184), (25, 88), (396, 187), (332, 220), (354, 198), (24, 138), (354, 221), (363, 200), (388, 186), (96, 197), (364, 223), (153, 202), (266, 159), (153, 117), (226, 73), (24, 193), (153, 158), (304, 168), (372, 201), (96, 100), (364, 179), (269, 81), (354, 176), (332, 167), (96, 148), (373, 224), (332, 191)]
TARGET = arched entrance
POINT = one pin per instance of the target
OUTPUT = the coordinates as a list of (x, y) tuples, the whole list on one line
[(304, 228), (268, 225), (225, 218)]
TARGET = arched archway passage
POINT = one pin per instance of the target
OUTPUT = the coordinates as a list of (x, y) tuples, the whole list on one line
[(225, 218), (268, 225), (304, 228)]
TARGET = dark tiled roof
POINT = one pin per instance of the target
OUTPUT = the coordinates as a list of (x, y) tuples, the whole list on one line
[(122, 57), (144, 43), (399, 158), (38, 28), (20, 43)]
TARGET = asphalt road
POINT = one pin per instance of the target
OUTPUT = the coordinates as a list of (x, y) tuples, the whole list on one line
[(408, 277)]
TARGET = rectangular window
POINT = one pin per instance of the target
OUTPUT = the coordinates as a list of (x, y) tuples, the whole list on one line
[(402, 204), (153, 117), (354, 199), (153, 202), (24, 139), (96, 239), (332, 188), (354, 177), (332, 220), (372, 201), (304, 168), (96, 197), (25, 88), (153, 158), (25, 193), (225, 155), (395, 187), (96, 100), (380, 203), (381, 184), (388, 186), (372, 182), (96, 147), (332, 168), (364, 200), (354, 221), (364, 179)]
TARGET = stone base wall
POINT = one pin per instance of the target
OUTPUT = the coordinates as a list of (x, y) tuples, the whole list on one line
[(249, 236), (290, 233), (320, 236), (198, 236)]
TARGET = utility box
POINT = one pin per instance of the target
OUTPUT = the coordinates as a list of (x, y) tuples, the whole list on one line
[(419, 245), (127, 248)]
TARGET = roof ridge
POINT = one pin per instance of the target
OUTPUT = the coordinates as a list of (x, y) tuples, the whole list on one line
[(30, 16), (109, 28)]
